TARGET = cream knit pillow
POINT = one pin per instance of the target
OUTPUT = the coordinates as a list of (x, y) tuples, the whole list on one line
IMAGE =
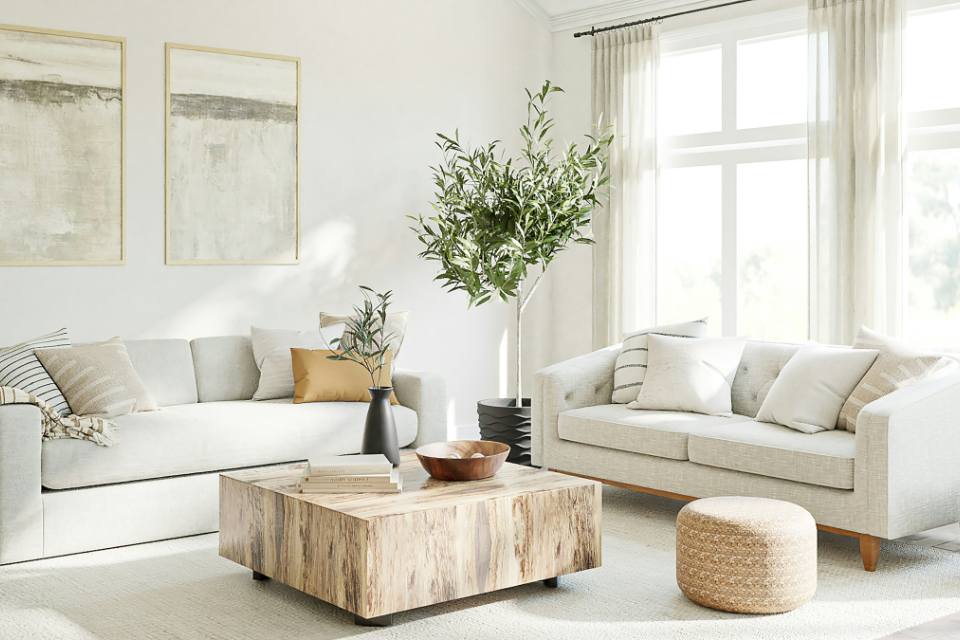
[(810, 390), (271, 352), (896, 366), (97, 379), (631, 366), (690, 374)]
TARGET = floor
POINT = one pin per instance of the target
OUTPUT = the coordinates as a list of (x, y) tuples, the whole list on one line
[(182, 590), (947, 627)]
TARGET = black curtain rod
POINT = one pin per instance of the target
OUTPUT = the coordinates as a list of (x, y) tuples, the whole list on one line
[(594, 31)]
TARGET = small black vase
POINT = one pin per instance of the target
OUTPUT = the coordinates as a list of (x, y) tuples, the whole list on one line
[(380, 430)]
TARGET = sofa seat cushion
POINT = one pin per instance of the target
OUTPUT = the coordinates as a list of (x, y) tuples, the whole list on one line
[(824, 459), (213, 436), (654, 433)]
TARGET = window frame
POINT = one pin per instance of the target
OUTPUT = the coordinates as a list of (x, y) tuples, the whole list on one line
[(731, 146), (924, 130)]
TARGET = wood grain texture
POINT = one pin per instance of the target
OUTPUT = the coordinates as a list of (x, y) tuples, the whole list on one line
[(435, 458), (376, 554), (869, 551)]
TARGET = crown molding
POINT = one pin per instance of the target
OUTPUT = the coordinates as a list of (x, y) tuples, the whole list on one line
[(534, 9), (619, 10)]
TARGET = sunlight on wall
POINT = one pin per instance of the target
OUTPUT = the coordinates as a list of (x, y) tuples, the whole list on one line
[(504, 368), (451, 419), (234, 303)]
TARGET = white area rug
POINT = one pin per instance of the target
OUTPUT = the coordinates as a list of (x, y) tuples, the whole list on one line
[(183, 589)]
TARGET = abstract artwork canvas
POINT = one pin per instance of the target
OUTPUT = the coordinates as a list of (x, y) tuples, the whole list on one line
[(61, 147), (232, 193)]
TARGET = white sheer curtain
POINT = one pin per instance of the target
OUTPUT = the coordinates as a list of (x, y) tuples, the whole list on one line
[(855, 154), (624, 83)]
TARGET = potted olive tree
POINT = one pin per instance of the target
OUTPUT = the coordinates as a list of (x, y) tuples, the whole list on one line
[(499, 222)]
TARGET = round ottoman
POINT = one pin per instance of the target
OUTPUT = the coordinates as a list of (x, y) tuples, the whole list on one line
[(746, 555)]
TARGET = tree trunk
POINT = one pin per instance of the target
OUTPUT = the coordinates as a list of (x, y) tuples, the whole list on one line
[(519, 343)]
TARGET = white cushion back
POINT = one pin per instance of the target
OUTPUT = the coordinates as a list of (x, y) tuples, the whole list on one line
[(166, 369)]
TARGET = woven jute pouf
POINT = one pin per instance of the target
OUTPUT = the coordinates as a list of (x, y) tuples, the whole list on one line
[(746, 555)]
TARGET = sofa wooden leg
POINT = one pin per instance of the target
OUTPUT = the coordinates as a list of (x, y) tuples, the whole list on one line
[(869, 551)]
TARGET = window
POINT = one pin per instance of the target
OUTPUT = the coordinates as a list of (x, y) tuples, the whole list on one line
[(732, 222), (689, 81), (931, 309), (688, 244), (732, 214)]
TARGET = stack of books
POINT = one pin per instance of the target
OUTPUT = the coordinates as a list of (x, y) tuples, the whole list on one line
[(350, 474)]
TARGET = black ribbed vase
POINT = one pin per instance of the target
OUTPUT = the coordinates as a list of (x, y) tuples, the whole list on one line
[(380, 430), (502, 421)]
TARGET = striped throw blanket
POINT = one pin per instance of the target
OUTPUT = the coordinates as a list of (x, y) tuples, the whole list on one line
[(96, 430)]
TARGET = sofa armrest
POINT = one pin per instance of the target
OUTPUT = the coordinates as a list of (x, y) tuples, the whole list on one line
[(425, 393), (21, 507), (584, 381), (907, 453)]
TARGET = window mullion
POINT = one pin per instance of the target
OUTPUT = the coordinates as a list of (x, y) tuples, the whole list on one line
[(728, 252)]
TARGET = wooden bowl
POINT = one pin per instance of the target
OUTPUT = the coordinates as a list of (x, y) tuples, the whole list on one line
[(436, 459)]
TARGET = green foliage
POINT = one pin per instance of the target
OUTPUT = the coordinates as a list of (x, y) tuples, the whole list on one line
[(935, 233), (364, 340), (496, 218)]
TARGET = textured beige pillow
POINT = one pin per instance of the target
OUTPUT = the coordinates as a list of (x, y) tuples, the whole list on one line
[(97, 379), (896, 366), (396, 328)]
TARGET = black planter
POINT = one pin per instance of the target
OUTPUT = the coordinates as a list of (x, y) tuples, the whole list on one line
[(380, 430), (502, 421)]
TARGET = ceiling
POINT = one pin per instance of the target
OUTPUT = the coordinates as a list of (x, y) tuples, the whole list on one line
[(572, 14), (558, 7)]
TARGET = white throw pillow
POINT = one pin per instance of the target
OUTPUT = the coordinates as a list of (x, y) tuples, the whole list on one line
[(689, 374), (271, 352), (631, 366), (813, 385)]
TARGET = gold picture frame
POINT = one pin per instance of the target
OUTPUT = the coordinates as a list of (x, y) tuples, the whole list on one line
[(121, 168), (175, 260)]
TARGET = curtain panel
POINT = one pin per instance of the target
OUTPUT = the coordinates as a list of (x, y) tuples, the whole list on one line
[(625, 65), (855, 152)]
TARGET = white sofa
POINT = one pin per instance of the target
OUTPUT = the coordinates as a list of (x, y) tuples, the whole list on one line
[(161, 479), (897, 475)]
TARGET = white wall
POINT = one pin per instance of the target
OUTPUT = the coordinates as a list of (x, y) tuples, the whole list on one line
[(379, 77)]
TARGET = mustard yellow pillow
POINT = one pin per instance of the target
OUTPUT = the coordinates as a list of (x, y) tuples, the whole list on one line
[(316, 378)]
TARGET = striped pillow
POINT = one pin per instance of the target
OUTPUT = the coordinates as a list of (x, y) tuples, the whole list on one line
[(631, 365), (896, 366), (20, 369)]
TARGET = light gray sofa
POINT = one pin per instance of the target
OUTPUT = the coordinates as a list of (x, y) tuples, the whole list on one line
[(897, 475), (160, 480)]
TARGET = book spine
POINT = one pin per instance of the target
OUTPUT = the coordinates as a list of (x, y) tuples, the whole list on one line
[(346, 479), (350, 490), (348, 471)]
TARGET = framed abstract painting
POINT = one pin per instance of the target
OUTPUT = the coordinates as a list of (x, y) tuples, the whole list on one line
[(61, 147), (232, 157)]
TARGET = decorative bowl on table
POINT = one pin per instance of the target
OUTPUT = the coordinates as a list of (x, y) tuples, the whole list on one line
[(463, 459)]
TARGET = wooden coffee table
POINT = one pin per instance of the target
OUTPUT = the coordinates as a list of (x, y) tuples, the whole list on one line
[(378, 554)]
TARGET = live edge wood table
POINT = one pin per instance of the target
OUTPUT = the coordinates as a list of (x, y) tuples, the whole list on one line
[(378, 554)]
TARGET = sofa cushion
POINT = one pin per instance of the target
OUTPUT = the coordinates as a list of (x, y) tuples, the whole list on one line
[(166, 368), (213, 436), (760, 365), (655, 433), (824, 459), (225, 368)]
